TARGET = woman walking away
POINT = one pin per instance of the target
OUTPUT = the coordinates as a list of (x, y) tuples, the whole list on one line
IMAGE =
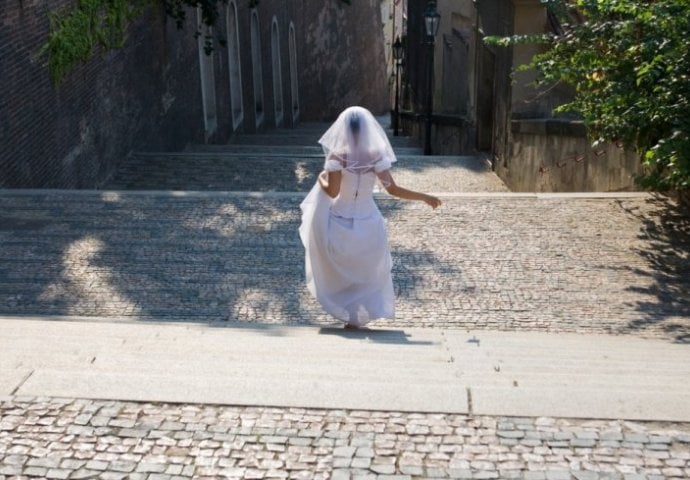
[(347, 258)]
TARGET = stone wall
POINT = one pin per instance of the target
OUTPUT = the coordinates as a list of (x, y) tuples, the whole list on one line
[(534, 151), (471, 79), (344, 62), (148, 95), (556, 156), (73, 136), (450, 134)]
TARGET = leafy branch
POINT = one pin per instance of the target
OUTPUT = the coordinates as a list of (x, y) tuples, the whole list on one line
[(74, 36), (628, 62)]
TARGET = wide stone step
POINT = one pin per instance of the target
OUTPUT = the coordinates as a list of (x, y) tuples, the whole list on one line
[(316, 129), (305, 140), (509, 262), (419, 370), (218, 171), (277, 150)]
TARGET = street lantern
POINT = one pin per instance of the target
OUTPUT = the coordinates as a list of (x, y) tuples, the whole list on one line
[(432, 20), (398, 50), (398, 55)]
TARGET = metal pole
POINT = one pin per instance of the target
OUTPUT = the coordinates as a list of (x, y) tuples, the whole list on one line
[(397, 111), (430, 97)]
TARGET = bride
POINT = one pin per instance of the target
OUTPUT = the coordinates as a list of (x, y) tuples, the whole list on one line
[(347, 258)]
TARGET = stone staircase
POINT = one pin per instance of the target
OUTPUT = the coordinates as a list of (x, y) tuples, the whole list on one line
[(288, 161), (210, 234)]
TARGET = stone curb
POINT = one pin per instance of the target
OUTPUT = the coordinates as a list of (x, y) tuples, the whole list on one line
[(248, 194)]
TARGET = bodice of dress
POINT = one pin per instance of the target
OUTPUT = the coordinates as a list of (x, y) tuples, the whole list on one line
[(356, 197)]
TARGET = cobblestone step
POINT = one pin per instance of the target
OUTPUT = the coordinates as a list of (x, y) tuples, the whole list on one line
[(191, 171), (509, 262), (193, 441), (305, 139), (279, 150), (313, 127)]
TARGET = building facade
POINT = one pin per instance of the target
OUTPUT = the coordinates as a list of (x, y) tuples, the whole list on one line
[(469, 77), (280, 63), (394, 16), (481, 105)]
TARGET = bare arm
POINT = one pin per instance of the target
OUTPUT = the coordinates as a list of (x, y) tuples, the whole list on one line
[(330, 182), (330, 177), (400, 192)]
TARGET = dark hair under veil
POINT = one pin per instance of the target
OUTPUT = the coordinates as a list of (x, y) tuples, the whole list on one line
[(357, 140)]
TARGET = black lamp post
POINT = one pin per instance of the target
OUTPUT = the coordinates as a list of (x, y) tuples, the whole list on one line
[(398, 54), (432, 19)]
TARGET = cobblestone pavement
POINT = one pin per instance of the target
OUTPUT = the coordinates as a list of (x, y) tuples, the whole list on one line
[(306, 138), (78, 439), (265, 173), (505, 263), (276, 150)]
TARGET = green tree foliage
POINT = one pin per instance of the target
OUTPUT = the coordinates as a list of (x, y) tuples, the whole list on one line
[(629, 63), (77, 33)]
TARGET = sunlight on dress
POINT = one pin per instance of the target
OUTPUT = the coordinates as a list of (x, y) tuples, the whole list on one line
[(347, 257)]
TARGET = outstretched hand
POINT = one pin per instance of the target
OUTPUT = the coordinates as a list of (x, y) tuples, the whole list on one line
[(432, 201)]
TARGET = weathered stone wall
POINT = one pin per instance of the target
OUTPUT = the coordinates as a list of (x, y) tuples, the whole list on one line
[(148, 95), (343, 58), (471, 87), (450, 135), (534, 151), (556, 156), (72, 137)]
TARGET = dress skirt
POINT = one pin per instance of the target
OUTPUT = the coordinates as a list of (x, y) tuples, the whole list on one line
[(347, 261)]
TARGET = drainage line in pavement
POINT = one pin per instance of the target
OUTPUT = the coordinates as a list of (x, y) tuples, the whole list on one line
[(13, 392)]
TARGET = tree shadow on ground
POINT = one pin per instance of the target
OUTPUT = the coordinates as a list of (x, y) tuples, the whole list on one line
[(665, 233), (222, 259)]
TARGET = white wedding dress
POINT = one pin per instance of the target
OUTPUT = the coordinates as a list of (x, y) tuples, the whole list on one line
[(347, 258)]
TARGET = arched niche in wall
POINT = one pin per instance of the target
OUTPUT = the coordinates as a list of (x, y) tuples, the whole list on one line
[(277, 72), (234, 64), (208, 81), (257, 72), (294, 85)]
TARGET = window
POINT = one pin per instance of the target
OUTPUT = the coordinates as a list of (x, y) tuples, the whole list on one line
[(208, 83), (294, 89), (257, 71), (277, 73), (234, 65)]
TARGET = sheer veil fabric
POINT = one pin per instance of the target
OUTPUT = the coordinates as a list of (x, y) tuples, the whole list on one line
[(357, 140), (347, 257)]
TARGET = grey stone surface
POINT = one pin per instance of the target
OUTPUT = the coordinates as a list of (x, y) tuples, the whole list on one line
[(422, 370), (302, 138), (272, 150), (404, 455), (484, 262), (558, 265), (267, 172), (554, 263), (11, 379)]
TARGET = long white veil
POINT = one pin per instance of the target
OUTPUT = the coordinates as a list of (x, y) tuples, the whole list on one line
[(357, 140)]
